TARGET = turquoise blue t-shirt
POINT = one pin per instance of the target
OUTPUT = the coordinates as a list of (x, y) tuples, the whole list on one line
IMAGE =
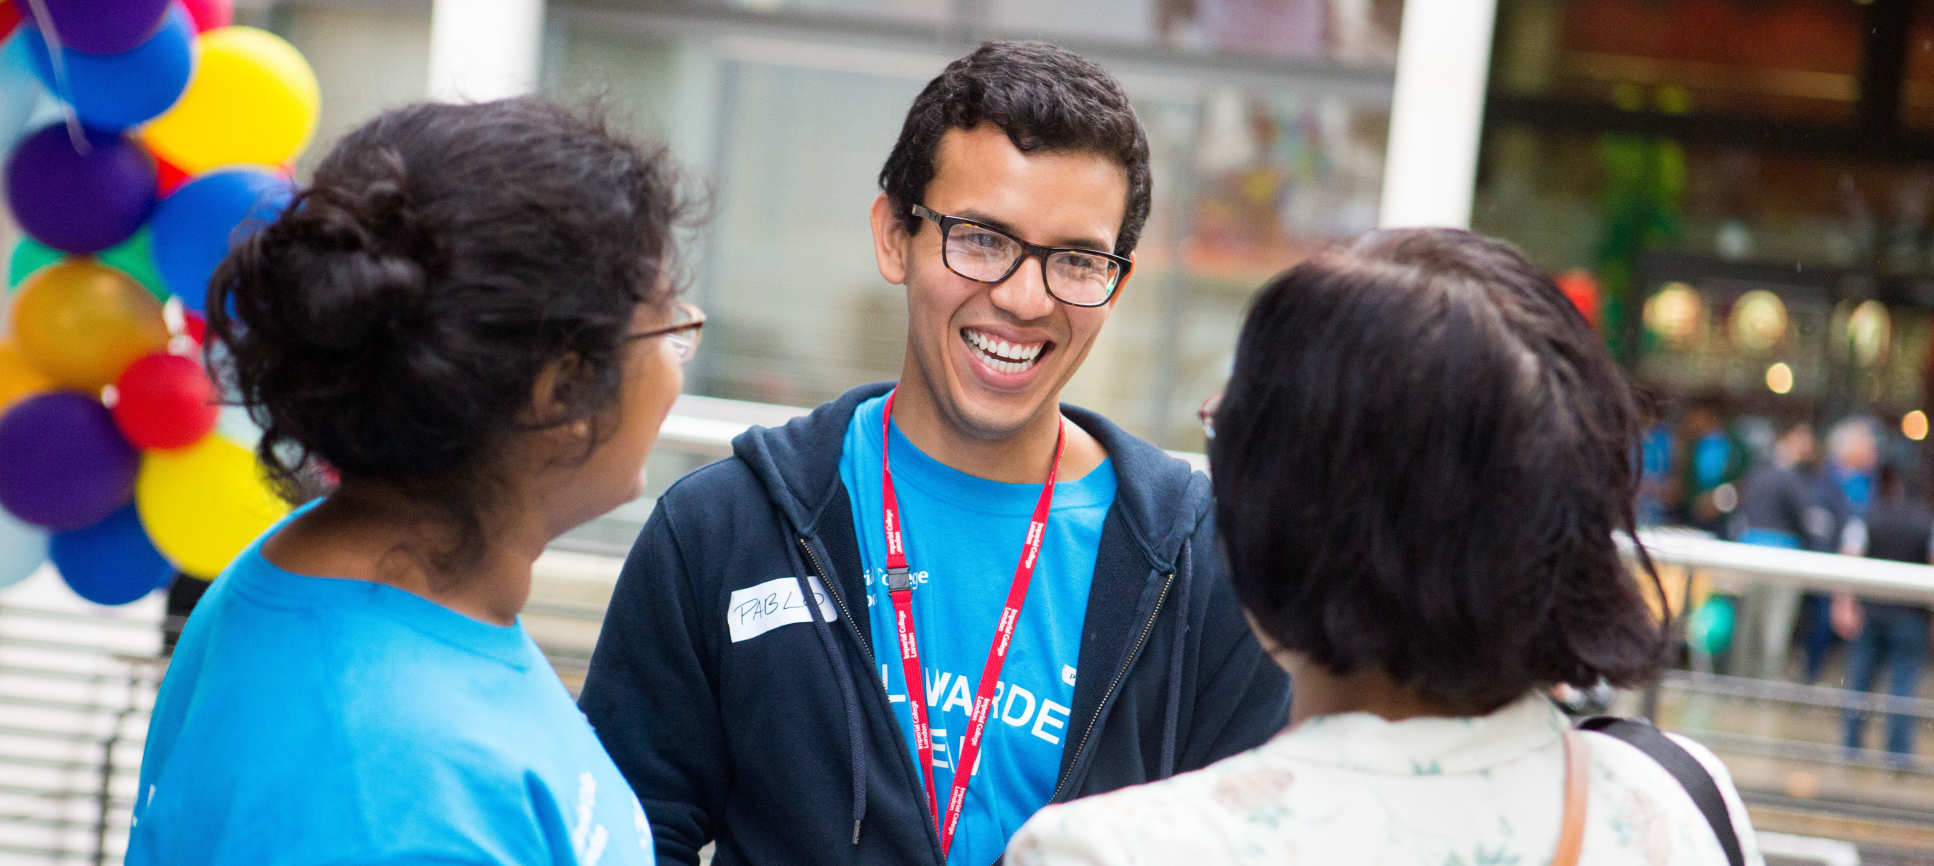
[(308, 720), (963, 539)]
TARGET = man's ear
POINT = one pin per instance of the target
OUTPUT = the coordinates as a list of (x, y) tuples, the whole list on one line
[(889, 240)]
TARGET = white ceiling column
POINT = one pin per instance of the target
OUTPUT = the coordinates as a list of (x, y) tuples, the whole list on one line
[(485, 49), (1437, 112)]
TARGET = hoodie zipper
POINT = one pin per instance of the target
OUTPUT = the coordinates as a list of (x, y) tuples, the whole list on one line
[(832, 589), (1109, 694)]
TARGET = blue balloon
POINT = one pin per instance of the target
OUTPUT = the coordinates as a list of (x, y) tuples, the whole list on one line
[(194, 226), (21, 96), (111, 562), (117, 91), (22, 549)]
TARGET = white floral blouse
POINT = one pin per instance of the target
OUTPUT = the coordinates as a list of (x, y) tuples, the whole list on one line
[(1353, 788)]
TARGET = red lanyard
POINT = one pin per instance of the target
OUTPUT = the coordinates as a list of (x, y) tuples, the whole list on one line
[(900, 587)]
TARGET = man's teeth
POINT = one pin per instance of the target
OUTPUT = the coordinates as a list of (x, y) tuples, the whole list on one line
[(1001, 366), (1003, 356)]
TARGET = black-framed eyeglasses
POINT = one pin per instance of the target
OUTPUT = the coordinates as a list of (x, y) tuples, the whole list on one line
[(683, 335), (984, 254)]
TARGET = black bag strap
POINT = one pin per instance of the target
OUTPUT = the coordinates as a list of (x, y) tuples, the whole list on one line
[(1685, 768)]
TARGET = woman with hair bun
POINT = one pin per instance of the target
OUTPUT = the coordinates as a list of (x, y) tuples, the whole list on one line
[(469, 318), (1420, 461)]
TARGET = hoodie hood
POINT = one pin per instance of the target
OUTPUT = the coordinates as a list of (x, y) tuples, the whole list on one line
[(1161, 499)]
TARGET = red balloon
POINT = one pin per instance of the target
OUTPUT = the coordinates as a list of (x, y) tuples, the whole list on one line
[(210, 14), (167, 175), (9, 19), (165, 401), (1582, 289), (194, 327)]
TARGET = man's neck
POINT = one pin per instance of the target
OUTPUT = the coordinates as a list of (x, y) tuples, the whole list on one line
[(1020, 458)]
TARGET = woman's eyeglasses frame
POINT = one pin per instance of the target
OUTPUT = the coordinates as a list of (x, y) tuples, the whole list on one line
[(683, 335)]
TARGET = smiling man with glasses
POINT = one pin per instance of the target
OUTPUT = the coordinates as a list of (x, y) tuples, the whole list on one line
[(891, 631)]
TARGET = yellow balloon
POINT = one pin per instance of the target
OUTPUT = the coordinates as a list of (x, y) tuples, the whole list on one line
[(252, 99), (80, 324), (202, 504), (18, 379)]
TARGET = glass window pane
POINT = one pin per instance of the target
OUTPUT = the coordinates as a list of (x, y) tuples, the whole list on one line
[(1917, 86), (1676, 237), (1354, 31), (803, 313), (1246, 185), (1783, 58), (907, 10)]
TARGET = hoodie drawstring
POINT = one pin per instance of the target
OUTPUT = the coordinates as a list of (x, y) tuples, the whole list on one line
[(1171, 715), (844, 674)]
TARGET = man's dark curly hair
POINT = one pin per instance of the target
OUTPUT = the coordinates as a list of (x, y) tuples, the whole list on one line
[(1046, 98), (1419, 464)]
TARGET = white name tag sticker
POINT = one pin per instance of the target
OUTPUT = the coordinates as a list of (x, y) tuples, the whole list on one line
[(755, 610)]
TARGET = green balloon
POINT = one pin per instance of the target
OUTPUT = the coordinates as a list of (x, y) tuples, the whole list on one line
[(1710, 628), (28, 256), (134, 257)]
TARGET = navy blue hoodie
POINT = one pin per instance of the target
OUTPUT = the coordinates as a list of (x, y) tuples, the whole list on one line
[(784, 750)]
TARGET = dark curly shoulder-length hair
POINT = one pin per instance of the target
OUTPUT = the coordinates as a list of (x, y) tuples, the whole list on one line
[(1419, 464)]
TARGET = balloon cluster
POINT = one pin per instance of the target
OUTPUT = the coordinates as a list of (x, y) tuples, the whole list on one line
[(142, 137)]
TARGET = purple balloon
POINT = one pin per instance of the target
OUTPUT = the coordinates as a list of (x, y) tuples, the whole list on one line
[(63, 464), (100, 26), (79, 202)]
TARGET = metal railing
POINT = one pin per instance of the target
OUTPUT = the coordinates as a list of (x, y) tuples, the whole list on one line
[(1730, 568)]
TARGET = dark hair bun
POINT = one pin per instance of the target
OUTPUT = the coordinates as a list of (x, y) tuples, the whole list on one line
[(393, 319), (359, 259)]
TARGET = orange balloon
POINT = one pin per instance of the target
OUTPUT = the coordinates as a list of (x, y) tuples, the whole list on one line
[(18, 379), (80, 323)]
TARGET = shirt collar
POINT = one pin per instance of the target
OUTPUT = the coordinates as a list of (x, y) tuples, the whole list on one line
[(1424, 746)]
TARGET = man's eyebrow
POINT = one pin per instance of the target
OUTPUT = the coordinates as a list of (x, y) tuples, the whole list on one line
[(1087, 243)]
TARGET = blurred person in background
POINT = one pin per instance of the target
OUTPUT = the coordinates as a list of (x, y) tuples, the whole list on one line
[(1782, 504), (1888, 636), (1659, 489), (1710, 460), (1853, 456), (469, 316), (1846, 487), (1419, 464), (801, 641)]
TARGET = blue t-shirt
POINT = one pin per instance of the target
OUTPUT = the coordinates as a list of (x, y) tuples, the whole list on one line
[(308, 720), (963, 538)]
